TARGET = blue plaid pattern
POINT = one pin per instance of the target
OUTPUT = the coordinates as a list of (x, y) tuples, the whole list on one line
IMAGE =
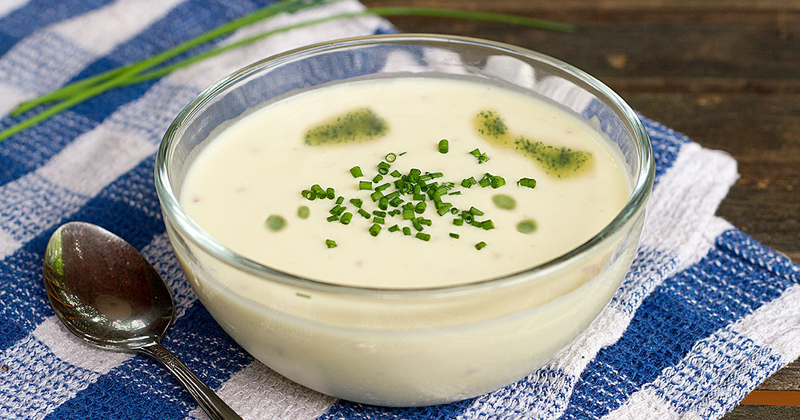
[(703, 316)]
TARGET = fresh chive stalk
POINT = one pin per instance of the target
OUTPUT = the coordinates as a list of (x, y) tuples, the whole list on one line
[(82, 90)]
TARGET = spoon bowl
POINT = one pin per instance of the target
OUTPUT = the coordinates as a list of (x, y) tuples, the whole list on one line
[(103, 290), (109, 295)]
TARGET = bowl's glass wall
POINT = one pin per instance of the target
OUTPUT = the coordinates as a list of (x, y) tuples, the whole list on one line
[(406, 347)]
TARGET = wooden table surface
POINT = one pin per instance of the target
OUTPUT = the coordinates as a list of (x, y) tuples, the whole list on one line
[(725, 72)]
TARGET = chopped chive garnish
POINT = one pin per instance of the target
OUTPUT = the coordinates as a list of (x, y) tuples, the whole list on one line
[(375, 229), (444, 205), (403, 187), (504, 201), (319, 191), (303, 212), (330, 243), (409, 195), (527, 226), (468, 182), (527, 182), (337, 210), (480, 156), (498, 181), (444, 146), (275, 223)]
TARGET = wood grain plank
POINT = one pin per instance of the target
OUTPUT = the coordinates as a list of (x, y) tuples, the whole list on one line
[(763, 412), (600, 5), (763, 133), (661, 56)]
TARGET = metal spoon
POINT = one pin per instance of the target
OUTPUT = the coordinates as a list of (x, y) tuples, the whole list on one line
[(106, 293)]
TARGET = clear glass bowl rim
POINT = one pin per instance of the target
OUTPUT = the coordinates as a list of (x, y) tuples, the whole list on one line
[(189, 228)]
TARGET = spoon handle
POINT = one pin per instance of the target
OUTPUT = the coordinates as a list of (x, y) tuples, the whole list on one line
[(210, 402)]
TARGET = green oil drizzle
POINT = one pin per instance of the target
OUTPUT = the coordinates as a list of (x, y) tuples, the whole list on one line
[(359, 125), (561, 162), (491, 126)]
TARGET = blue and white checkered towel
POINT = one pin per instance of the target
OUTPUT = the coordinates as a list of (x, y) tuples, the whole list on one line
[(704, 315)]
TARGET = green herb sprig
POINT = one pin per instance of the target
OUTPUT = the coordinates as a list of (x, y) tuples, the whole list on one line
[(141, 71)]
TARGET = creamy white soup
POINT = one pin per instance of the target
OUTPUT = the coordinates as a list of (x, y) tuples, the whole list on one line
[(293, 185)]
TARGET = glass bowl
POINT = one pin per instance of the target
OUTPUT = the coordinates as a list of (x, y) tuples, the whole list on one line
[(414, 346)]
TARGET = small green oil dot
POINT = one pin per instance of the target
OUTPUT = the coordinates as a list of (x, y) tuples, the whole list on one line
[(276, 223), (527, 226), (504, 201)]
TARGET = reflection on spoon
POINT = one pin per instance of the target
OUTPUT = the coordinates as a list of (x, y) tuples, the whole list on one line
[(106, 293)]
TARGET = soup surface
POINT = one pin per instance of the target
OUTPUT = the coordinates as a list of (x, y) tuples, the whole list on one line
[(517, 182)]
